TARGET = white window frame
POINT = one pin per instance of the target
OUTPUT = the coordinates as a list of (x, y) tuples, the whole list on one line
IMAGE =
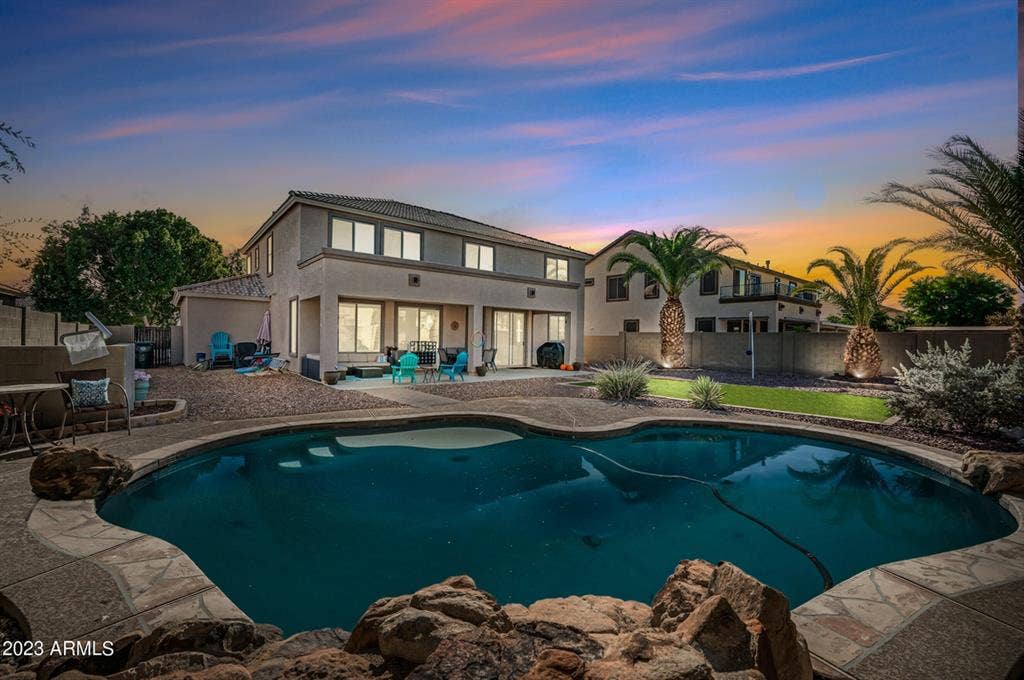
[(354, 227), (351, 349), (555, 337), (403, 233), (270, 254), (472, 256), (561, 268)]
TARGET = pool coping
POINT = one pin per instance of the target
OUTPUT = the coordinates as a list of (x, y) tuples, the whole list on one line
[(160, 583)]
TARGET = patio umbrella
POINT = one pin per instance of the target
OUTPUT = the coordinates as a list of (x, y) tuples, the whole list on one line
[(263, 334)]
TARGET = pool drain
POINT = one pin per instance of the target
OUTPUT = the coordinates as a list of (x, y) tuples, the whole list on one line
[(825, 576)]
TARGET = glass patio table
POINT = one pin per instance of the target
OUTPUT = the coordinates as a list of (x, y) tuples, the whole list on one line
[(19, 408)]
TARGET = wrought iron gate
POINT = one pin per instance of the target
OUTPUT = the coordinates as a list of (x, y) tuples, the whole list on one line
[(161, 338)]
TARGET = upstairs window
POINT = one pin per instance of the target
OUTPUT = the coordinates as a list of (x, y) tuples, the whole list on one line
[(479, 257), (350, 235), (709, 283), (651, 288), (556, 269), (402, 243), (617, 290), (256, 257), (248, 263), (270, 254)]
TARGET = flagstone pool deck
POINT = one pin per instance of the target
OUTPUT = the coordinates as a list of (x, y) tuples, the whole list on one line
[(67, 574)]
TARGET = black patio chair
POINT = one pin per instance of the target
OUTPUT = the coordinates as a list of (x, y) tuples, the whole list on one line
[(91, 374), (487, 357), (244, 352)]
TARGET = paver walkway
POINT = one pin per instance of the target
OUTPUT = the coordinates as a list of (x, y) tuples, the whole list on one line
[(72, 576)]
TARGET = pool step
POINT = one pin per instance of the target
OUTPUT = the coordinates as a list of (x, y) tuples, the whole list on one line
[(290, 464), (320, 452)]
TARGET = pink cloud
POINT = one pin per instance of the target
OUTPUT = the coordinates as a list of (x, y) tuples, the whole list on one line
[(436, 96), (787, 71)]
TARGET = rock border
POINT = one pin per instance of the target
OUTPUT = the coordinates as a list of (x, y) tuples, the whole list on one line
[(76, 528)]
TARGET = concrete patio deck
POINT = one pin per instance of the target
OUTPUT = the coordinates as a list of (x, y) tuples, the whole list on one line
[(352, 383), (73, 576)]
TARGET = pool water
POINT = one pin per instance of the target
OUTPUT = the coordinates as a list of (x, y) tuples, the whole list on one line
[(306, 530)]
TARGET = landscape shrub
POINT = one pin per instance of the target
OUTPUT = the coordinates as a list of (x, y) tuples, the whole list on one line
[(624, 380), (706, 393), (941, 390)]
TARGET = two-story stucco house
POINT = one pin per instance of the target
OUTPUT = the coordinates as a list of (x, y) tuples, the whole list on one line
[(721, 301), (346, 277)]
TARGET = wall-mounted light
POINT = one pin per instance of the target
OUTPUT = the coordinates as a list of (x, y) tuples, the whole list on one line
[(781, 306)]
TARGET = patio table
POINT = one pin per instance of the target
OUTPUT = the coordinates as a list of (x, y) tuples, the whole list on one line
[(19, 408)]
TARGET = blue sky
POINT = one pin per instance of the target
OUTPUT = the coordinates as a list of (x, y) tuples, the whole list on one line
[(569, 120)]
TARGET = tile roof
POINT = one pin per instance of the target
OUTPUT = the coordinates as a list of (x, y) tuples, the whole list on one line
[(246, 285), (415, 213)]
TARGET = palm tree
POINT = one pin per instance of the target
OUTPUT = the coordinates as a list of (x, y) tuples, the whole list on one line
[(675, 261), (980, 198), (860, 289)]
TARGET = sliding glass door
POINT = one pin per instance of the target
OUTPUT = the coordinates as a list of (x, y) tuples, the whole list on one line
[(418, 323), (509, 331)]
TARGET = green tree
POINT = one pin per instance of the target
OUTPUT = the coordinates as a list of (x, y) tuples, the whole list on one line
[(9, 160), (957, 299), (980, 199), (124, 267), (675, 261), (860, 288)]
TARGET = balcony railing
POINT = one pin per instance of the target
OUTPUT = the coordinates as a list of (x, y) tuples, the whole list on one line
[(764, 290)]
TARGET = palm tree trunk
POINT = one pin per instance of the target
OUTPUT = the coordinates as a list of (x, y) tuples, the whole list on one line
[(1016, 352), (862, 357), (672, 323)]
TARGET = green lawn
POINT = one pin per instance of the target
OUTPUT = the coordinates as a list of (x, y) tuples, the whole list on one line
[(785, 399)]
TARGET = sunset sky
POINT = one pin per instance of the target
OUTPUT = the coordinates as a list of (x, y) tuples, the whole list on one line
[(571, 121)]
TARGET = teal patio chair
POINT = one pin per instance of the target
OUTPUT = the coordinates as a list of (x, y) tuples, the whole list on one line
[(456, 369), (221, 347), (406, 368)]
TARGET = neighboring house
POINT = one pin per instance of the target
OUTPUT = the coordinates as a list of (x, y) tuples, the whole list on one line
[(346, 277), (721, 301), (10, 295)]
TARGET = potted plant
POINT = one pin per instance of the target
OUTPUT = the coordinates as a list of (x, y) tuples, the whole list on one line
[(331, 377), (142, 385), (481, 370)]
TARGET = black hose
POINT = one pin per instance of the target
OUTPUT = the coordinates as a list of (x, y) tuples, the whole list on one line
[(825, 576)]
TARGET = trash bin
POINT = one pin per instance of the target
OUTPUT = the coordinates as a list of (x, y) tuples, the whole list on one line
[(143, 355), (551, 355)]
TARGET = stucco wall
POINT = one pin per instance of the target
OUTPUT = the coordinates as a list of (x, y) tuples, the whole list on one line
[(799, 353), (202, 317), (34, 364)]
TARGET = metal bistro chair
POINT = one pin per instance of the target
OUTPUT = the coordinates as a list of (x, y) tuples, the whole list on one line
[(487, 358), (91, 374)]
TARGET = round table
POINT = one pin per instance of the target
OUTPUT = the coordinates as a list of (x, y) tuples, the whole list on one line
[(19, 407)]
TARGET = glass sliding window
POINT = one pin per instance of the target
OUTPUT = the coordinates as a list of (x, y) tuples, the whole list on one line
[(556, 268), (479, 257), (270, 254), (418, 323), (557, 324), (709, 283), (509, 338), (359, 327), (350, 235), (616, 289), (293, 326), (402, 243), (256, 257), (651, 288)]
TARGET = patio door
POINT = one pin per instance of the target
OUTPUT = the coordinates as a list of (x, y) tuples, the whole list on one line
[(509, 330), (418, 323)]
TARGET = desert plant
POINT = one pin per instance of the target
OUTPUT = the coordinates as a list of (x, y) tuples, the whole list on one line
[(706, 393), (675, 261), (624, 380), (860, 288), (980, 198), (942, 390)]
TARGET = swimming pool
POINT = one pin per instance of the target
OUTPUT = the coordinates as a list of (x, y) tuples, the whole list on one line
[(305, 530)]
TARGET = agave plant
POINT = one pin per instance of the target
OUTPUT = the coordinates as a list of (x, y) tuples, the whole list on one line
[(675, 261), (860, 288), (624, 380), (706, 393), (980, 198)]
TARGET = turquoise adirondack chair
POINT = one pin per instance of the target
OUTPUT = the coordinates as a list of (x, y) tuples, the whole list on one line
[(456, 369), (406, 368), (220, 346)]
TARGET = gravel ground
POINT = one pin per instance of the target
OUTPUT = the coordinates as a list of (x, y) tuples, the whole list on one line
[(556, 387), (226, 395), (771, 380)]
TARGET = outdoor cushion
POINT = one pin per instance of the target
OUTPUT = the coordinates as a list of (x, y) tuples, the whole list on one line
[(85, 393)]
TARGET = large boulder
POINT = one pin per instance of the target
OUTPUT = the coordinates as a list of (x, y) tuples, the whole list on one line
[(365, 636), (593, 614), (300, 644), (994, 472), (330, 663), (69, 473), (413, 634), (557, 664), (779, 650), (167, 664), (220, 639), (649, 654), (686, 588), (459, 598), (715, 630)]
